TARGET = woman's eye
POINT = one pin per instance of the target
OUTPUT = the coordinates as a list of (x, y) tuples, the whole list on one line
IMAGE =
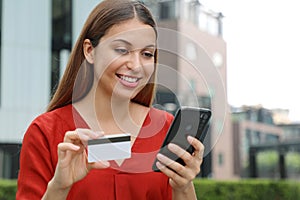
[(148, 54), (121, 51)]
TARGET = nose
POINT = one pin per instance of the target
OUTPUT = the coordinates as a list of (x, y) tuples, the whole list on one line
[(134, 62)]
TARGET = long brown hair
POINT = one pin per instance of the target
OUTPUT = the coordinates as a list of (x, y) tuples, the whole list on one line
[(79, 74)]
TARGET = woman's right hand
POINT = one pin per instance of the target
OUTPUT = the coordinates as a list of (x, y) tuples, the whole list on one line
[(72, 164)]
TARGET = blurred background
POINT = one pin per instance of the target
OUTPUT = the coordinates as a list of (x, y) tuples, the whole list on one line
[(228, 57)]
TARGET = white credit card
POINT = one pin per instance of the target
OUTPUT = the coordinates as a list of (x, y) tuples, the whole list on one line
[(109, 147)]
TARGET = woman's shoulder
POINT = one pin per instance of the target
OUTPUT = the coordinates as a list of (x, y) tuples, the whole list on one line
[(161, 113), (62, 113), (55, 119), (49, 127), (160, 110)]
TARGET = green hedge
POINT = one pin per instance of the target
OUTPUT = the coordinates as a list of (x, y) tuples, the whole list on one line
[(247, 189), (208, 189), (8, 189)]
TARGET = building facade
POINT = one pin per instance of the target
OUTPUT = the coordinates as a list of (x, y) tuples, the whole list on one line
[(252, 126), (36, 38), (193, 70)]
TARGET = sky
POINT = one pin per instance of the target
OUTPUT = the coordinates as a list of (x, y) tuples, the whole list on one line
[(263, 56)]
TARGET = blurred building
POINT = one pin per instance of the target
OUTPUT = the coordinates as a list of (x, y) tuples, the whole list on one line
[(252, 125), (281, 116), (266, 142), (36, 39), (193, 70), (291, 131)]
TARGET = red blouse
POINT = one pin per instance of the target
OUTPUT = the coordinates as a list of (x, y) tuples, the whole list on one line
[(134, 179)]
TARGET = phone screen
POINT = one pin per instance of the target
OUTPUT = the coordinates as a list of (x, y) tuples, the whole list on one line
[(187, 121)]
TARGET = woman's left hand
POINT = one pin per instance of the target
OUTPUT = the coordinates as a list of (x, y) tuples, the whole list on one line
[(181, 176)]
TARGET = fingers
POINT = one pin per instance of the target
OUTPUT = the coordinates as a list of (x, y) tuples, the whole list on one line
[(81, 136), (192, 161), (198, 146), (68, 146), (177, 172), (64, 153), (75, 143), (72, 162), (180, 180), (62, 149)]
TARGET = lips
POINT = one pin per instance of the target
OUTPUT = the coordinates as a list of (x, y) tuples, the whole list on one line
[(128, 81)]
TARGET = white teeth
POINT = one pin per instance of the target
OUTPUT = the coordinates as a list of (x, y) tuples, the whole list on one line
[(129, 79)]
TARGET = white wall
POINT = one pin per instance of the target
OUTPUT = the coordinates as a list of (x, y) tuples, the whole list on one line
[(25, 65)]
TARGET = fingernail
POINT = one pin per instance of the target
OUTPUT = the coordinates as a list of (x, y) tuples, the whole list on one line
[(99, 133), (159, 165), (172, 146), (105, 163), (190, 139), (160, 156)]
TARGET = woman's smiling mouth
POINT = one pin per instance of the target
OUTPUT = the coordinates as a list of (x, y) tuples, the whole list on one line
[(128, 81)]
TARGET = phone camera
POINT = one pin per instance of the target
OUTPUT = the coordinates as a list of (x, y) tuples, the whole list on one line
[(188, 127), (204, 116)]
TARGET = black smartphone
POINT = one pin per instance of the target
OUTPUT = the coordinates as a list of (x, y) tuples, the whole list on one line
[(191, 121)]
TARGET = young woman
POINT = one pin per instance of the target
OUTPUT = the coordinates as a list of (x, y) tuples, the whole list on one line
[(107, 88)]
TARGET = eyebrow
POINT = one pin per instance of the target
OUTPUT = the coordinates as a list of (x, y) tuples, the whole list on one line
[(129, 44)]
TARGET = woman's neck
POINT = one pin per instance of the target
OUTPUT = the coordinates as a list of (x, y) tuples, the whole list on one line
[(101, 111), (108, 108)]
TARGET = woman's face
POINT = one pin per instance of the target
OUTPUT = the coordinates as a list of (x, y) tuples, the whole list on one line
[(124, 59)]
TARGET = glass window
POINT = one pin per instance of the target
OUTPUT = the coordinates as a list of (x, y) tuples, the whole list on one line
[(9, 160), (220, 159), (0, 46), (191, 51), (167, 9), (212, 25), (61, 37)]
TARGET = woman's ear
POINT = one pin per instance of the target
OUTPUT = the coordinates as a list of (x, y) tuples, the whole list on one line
[(88, 51)]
